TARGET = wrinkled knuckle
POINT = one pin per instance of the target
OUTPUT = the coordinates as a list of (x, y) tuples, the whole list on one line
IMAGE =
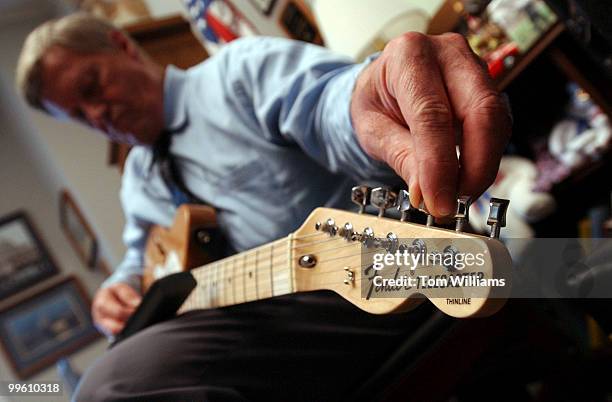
[(410, 41), (455, 39), (494, 103), (398, 159), (433, 115)]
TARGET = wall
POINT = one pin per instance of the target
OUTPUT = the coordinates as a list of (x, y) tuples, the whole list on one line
[(78, 154), (28, 184), (38, 157)]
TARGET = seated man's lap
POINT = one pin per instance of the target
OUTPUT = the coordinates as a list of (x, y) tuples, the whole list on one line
[(307, 347)]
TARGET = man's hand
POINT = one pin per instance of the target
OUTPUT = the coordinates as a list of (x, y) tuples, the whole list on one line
[(113, 305), (408, 106)]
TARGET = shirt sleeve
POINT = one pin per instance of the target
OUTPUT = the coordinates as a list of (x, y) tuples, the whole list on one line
[(300, 94), (135, 231)]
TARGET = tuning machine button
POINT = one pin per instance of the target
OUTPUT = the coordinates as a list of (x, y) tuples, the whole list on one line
[(430, 217), (383, 198), (462, 216), (347, 232), (329, 227), (497, 215), (360, 195), (391, 243), (367, 238), (403, 205)]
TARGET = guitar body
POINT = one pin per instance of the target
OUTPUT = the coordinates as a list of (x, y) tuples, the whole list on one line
[(187, 244)]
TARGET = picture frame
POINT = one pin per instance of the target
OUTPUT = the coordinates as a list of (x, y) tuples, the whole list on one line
[(24, 258), (46, 326), (77, 230), (298, 21), (264, 6)]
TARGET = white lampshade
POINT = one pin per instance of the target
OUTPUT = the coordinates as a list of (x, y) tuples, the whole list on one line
[(358, 28)]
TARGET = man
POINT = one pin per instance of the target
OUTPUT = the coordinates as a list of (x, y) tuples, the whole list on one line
[(264, 131)]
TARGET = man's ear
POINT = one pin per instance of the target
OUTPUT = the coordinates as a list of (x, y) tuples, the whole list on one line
[(124, 44)]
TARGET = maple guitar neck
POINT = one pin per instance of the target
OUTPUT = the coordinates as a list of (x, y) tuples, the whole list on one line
[(260, 273)]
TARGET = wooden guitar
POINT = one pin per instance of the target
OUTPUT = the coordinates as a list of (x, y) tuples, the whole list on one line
[(335, 250)]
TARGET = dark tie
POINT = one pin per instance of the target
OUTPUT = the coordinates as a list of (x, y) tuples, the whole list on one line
[(169, 170)]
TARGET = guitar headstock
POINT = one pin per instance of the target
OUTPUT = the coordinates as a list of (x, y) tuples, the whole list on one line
[(386, 264)]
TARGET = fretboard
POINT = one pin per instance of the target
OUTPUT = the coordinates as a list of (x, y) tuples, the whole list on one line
[(260, 273)]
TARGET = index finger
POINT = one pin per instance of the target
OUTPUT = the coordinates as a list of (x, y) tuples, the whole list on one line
[(421, 95), (483, 113)]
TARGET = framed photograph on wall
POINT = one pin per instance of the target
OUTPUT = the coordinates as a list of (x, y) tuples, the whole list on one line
[(264, 6), (77, 230), (24, 259), (46, 326)]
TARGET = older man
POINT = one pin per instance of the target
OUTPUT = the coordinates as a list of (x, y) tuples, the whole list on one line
[(264, 131)]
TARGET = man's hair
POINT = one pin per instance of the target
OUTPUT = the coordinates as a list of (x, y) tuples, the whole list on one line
[(80, 32)]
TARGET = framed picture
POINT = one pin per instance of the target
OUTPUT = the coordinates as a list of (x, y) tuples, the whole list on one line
[(264, 6), (48, 325), (24, 259), (299, 22), (218, 22), (77, 230)]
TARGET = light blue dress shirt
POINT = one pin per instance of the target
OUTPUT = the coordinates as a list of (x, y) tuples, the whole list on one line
[(269, 138)]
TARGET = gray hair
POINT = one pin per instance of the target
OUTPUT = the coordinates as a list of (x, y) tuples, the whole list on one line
[(80, 32)]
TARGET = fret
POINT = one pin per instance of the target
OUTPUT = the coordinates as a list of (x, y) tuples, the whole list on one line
[(251, 284), (288, 264), (244, 277), (233, 262), (255, 270), (213, 286), (221, 284), (209, 286), (281, 274), (224, 284), (264, 285), (239, 277), (272, 269)]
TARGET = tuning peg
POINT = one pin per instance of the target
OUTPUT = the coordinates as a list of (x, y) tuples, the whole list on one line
[(403, 205), (383, 198), (462, 215), (360, 195), (329, 227), (430, 218), (497, 215)]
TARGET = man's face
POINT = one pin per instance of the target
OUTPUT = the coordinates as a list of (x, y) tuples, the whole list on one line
[(111, 91)]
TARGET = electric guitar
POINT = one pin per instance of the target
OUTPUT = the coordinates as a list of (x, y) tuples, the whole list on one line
[(367, 259)]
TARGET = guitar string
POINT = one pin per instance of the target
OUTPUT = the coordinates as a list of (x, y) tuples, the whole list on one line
[(214, 300), (283, 252), (206, 275), (246, 286), (223, 264)]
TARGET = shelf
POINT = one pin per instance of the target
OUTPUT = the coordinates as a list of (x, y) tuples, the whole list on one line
[(525, 59)]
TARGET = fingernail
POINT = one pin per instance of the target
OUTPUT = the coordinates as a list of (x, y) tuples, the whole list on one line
[(443, 202), (135, 302)]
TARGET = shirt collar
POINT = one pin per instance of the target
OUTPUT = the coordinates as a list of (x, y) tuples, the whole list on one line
[(175, 112)]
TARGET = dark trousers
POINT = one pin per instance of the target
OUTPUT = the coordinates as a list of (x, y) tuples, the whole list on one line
[(303, 347)]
